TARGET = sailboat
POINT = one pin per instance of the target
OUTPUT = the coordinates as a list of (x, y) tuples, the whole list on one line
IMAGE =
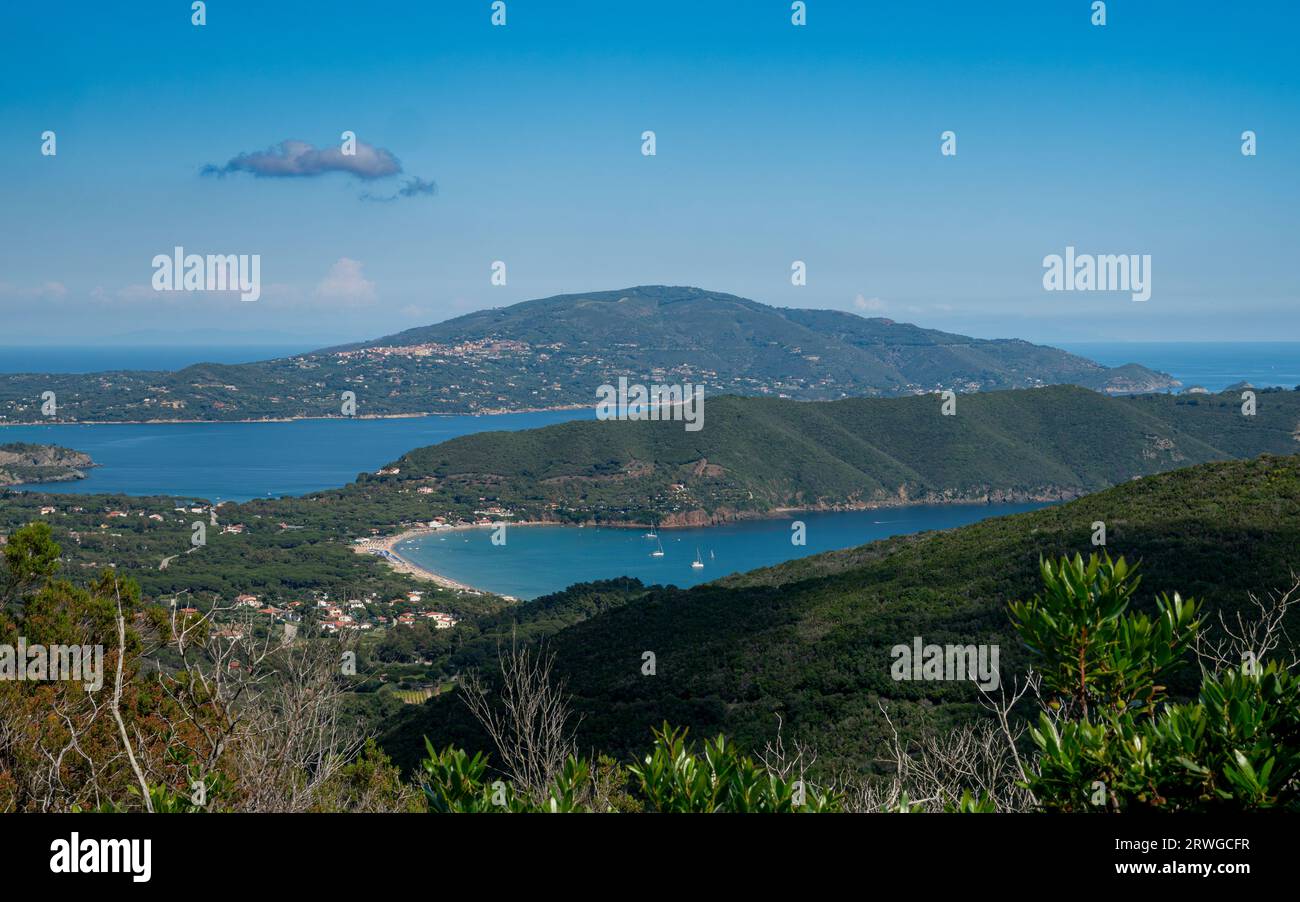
[(698, 563), (651, 534), (659, 551)]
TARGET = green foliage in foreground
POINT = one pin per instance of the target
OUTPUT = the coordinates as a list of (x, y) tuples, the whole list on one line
[(1237, 747), (1104, 667), (1108, 737), (455, 782), (674, 778), (809, 640), (1086, 644)]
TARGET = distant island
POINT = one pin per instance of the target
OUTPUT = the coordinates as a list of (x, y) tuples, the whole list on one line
[(554, 352), (22, 463)]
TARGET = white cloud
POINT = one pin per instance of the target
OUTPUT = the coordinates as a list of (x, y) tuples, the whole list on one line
[(291, 159), (48, 291), (868, 305), (346, 285)]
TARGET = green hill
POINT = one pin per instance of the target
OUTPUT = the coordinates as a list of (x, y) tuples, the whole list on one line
[(728, 342), (754, 456), (757, 455)]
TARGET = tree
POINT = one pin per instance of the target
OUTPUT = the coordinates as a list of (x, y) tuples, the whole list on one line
[(1089, 649), (31, 558)]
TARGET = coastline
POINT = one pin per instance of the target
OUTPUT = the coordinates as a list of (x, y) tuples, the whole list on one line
[(385, 548), (6, 484), (487, 412), (400, 563)]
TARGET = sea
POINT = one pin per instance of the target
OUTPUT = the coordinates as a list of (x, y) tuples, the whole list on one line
[(100, 359), (1211, 365), (240, 461)]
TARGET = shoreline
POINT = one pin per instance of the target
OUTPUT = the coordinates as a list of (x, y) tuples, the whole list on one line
[(402, 564), (491, 412)]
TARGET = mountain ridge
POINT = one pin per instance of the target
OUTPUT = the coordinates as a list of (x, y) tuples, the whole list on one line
[(763, 456), (844, 326), (554, 352)]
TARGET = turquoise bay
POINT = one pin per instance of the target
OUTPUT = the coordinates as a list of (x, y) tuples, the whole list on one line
[(536, 560)]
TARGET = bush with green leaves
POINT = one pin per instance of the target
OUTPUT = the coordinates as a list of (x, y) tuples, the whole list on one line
[(1091, 651), (1109, 737), (1236, 747), (1112, 739), (674, 777)]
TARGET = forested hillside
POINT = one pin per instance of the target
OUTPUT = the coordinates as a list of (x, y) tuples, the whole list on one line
[(757, 455), (808, 641)]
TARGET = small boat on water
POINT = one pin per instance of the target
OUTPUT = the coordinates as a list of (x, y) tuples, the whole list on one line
[(659, 551), (698, 563), (651, 534)]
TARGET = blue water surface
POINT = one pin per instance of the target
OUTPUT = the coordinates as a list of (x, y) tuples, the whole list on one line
[(536, 560)]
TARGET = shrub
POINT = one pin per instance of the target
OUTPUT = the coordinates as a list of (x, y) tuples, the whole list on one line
[(1109, 738)]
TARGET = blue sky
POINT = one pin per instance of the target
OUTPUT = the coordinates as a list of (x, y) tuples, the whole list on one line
[(774, 143)]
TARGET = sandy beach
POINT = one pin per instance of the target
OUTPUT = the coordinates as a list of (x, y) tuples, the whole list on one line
[(385, 548)]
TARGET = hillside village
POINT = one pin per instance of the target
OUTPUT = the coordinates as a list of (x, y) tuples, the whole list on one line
[(334, 616)]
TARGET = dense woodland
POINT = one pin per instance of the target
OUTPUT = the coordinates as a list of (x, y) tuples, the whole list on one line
[(756, 455)]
